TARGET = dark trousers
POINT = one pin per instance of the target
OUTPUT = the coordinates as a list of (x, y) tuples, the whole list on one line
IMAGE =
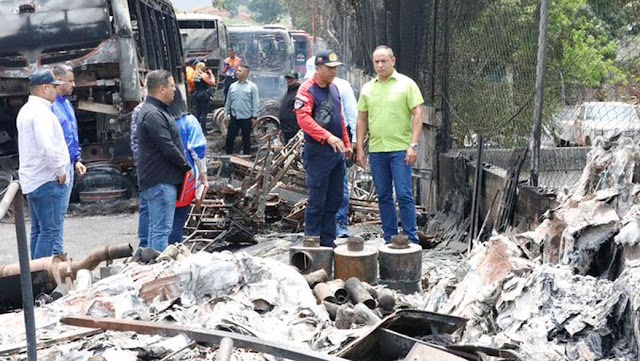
[(244, 125), (325, 175), (202, 109), (180, 216)]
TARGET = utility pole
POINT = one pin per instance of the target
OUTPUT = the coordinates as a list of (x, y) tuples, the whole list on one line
[(537, 112)]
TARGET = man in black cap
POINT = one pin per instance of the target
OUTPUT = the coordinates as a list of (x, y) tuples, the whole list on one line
[(318, 111), (44, 164), (287, 116)]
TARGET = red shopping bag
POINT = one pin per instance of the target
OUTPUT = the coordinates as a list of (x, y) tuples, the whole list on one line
[(188, 191)]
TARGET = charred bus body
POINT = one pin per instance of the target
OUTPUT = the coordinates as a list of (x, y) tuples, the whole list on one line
[(269, 53), (205, 38), (303, 49), (110, 44)]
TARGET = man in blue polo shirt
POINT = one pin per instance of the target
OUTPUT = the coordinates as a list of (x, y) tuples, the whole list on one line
[(63, 110)]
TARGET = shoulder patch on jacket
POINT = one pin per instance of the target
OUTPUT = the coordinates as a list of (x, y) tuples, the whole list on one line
[(298, 104)]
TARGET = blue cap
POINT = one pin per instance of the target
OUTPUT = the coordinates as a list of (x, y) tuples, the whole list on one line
[(43, 76), (328, 58)]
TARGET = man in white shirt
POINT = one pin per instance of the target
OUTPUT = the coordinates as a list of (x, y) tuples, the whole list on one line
[(350, 113), (44, 164)]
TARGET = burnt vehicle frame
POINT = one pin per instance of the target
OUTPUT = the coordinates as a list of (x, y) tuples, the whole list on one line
[(269, 53), (110, 45)]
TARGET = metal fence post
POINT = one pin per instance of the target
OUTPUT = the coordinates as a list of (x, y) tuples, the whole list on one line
[(537, 113), (13, 195)]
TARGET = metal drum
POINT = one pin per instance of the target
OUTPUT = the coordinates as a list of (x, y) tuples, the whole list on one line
[(311, 257), (356, 260), (401, 265)]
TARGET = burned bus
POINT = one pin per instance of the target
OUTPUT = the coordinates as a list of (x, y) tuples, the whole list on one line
[(110, 44), (205, 38), (269, 53), (303, 49)]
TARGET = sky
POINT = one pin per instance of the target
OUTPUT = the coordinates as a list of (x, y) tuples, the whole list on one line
[(188, 5)]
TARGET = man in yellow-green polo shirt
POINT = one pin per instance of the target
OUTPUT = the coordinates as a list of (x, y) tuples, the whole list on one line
[(390, 109)]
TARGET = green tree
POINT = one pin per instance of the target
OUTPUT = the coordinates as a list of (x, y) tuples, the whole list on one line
[(232, 6), (266, 11)]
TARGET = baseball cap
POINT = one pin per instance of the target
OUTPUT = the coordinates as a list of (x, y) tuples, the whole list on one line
[(328, 58), (291, 74), (43, 76)]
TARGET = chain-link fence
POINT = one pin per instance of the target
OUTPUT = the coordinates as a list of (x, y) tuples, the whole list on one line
[(591, 79)]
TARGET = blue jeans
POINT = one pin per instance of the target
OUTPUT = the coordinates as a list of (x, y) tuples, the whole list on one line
[(143, 223), (161, 204), (46, 205), (342, 218), (389, 170), (180, 216), (70, 177), (325, 174)]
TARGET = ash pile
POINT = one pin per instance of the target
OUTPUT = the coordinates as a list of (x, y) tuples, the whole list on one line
[(568, 289)]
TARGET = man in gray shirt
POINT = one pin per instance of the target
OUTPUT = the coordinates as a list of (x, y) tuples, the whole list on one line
[(241, 109)]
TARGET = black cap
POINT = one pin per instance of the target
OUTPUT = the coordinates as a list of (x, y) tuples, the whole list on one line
[(43, 76), (291, 74), (328, 58)]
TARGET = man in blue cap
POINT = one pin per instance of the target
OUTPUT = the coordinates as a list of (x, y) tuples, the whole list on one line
[(319, 114), (44, 164)]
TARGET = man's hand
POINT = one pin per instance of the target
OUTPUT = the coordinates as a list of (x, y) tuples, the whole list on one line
[(348, 154), (190, 173), (62, 179), (412, 156), (254, 120), (336, 143), (354, 152), (80, 168), (361, 159)]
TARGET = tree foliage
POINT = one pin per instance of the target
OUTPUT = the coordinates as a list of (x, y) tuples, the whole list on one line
[(494, 57), (266, 11)]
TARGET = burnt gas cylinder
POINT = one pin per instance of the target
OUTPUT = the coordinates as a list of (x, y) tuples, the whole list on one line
[(311, 257), (401, 265), (356, 260)]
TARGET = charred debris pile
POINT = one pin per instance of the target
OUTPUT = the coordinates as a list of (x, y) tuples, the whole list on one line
[(566, 290)]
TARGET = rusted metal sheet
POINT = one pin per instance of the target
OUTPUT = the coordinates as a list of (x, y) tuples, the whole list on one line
[(200, 335)]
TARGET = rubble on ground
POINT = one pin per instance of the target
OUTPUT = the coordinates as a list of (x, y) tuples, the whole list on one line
[(566, 290)]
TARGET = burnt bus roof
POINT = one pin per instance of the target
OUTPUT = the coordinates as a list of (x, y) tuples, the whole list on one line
[(51, 23)]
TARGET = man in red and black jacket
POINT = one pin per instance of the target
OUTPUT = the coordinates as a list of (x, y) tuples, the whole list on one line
[(319, 114)]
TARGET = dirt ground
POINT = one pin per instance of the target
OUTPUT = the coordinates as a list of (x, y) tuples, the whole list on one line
[(82, 234)]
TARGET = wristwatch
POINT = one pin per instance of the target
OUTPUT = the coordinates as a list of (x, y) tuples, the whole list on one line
[(414, 146)]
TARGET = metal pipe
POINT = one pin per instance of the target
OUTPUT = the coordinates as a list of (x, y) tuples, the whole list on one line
[(225, 349), (25, 275), (9, 195), (537, 112), (359, 293), (332, 309), (316, 277), (364, 315), (107, 253), (59, 268), (386, 299), (323, 293), (337, 289)]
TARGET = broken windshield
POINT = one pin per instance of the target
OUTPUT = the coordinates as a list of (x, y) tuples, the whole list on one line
[(29, 27), (265, 52)]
